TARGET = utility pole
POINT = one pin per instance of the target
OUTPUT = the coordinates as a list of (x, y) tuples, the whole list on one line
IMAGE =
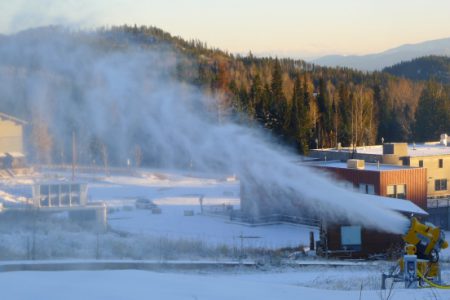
[(74, 155), (242, 237)]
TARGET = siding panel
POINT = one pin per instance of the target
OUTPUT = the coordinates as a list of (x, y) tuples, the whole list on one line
[(414, 178)]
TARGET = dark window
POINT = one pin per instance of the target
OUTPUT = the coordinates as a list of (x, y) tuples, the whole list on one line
[(421, 163), (405, 161), (441, 163), (440, 185), (367, 188)]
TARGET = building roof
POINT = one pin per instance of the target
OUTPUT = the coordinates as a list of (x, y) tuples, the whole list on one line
[(367, 166), (414, 150), (399, 205), (16, 154), (59, 182), (11, 118)]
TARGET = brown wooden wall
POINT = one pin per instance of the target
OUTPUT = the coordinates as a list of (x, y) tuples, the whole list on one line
[(372, 242), (414, 178), (357, 176)]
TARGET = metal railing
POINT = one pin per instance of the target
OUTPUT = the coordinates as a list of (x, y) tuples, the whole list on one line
[(438, 202), (238, 216), (282, 218)]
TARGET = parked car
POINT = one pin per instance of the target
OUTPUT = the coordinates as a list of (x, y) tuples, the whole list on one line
[(145, 203)]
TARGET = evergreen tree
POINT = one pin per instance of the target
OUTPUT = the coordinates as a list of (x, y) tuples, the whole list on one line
[(298, 125), (433, 112), (325, 112), (384, 113), (256, 99), (278, 103)]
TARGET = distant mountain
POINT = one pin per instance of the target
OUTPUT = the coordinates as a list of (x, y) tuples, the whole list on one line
[(378, 61), (423, 68)]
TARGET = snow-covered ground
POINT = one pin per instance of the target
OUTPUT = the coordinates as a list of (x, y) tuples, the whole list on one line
[(309, 283), (175, 194)]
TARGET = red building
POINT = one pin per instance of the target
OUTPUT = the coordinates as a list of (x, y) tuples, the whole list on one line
[(403, 182), (344, 239)]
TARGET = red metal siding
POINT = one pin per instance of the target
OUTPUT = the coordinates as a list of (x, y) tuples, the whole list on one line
[(357, 176), (414, 178)]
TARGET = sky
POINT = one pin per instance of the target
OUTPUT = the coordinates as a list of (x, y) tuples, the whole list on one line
[(297, 28)]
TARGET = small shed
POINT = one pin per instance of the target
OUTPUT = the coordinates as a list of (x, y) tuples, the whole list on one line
[(71, 197), (344, 239), (59, 194), (11, 133), (11, 142)]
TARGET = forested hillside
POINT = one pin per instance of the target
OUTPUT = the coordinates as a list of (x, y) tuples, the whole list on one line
[(423, 68), (302, 105)]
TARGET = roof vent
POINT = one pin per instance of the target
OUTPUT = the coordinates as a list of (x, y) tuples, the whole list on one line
[(355, 164), (444, 138), (399, 149)]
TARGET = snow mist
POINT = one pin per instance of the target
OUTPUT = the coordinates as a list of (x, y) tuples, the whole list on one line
[(126, 95)]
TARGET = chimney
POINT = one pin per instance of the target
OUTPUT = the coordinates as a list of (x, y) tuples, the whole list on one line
[(399, 149), (355, 164)]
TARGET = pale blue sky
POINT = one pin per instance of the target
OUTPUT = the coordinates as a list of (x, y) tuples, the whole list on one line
[(304, 28)]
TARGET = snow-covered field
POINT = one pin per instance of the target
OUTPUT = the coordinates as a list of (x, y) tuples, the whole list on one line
[(309, 283), (175, 194), (182, 220), (138, 233)]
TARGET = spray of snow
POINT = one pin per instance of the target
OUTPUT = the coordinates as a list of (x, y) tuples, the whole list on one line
[(128, 95)]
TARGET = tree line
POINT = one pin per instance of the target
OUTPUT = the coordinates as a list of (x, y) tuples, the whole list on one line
[(302, 105), (309, 106)]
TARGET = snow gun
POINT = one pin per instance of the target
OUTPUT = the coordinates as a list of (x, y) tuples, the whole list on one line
[(419, 265)]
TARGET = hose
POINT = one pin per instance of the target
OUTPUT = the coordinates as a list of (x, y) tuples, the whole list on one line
[(445, 287)]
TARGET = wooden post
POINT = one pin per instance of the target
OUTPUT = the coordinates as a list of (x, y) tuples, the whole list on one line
[(74, 155), (311, 241)]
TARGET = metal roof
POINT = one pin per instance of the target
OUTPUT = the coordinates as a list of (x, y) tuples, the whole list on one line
[(399, 205), (11, 118), (414, 150), (367, 166)]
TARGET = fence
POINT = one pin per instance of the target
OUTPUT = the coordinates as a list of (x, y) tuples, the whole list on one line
[(238, 216), (438, 202)]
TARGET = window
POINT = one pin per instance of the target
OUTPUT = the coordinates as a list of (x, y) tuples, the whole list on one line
[(441, 163), (349, 186), (421, 163), (390, 191), (405, 161), (440, 185), (401, 191), (396, 191), (367, 188)]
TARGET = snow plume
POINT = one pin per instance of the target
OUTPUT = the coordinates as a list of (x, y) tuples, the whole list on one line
[(119, 94)]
